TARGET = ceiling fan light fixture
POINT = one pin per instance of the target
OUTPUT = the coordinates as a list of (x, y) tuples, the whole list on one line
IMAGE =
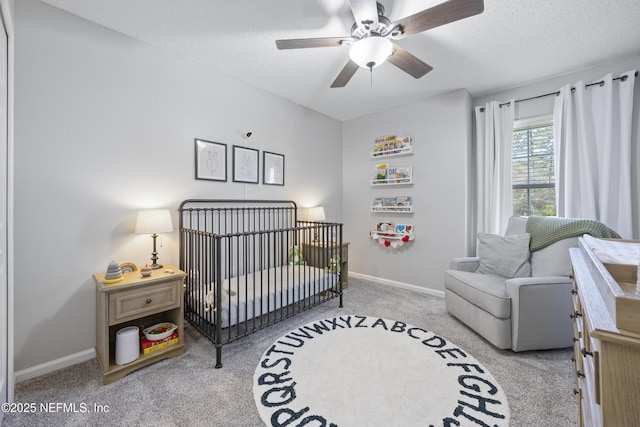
[(370, 51)]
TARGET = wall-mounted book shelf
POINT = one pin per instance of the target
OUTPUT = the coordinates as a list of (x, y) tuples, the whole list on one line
[(396, 204), (392, 235), (393, 209), (392, 153), (387, 233), (392, 181)]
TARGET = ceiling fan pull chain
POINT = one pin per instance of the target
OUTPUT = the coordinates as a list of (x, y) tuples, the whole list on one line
[(370, 64)]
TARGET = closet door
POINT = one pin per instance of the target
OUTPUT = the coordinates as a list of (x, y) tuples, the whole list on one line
[(4, 308)]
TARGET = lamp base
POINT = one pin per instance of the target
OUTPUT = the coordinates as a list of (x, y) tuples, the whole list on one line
[(154, 255)]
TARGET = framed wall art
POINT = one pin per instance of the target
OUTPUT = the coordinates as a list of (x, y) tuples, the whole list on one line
[(272, 168), (245, 164), (211, 160)]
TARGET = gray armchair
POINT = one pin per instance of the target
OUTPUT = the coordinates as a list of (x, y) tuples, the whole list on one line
[(519, 313)]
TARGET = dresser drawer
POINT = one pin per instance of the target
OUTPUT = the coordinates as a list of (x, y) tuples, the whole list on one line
[(134, 303)]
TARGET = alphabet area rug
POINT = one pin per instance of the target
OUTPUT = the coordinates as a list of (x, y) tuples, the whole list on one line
[(353, 371)]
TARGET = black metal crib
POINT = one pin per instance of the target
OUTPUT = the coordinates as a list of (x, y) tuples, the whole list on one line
[(248, 265)]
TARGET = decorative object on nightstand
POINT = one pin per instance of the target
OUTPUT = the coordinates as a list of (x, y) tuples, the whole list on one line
[(146, 271), (154, 221), (128, 267), (316, 214), (137, 302), (114, 273)]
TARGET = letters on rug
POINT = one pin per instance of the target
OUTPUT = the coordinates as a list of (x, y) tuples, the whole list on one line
[(364, 371)]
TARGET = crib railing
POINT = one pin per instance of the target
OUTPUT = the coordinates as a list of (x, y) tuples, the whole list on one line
[(246, 266)]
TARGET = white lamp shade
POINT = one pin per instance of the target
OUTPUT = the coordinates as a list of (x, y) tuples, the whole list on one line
[(371, 51), (153, 221), (316, 214)]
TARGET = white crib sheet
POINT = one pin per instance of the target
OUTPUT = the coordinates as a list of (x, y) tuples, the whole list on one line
[(253, 295)]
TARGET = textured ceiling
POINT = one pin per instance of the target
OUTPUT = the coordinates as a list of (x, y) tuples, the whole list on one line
[(511, 43)]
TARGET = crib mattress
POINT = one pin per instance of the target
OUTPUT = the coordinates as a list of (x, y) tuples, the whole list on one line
[(249, 296)]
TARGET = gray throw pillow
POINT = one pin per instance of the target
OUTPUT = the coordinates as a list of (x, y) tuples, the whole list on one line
[(504, 256)]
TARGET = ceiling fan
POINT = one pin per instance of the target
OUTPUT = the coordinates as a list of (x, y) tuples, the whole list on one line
[(370, 34)]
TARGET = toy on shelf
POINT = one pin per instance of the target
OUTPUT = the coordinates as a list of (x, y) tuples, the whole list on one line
[(392, 235), (114, 273)]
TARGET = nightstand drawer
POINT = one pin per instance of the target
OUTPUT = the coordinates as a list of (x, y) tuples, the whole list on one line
[(134, 303)]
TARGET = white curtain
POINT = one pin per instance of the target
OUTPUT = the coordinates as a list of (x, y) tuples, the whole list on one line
[(493, 192), (592, 136)]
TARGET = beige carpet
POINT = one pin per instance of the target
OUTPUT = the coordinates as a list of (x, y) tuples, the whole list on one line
[(364, 371), (188, 391)]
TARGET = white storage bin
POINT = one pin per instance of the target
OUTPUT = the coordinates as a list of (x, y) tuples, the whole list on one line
[(127, 345)]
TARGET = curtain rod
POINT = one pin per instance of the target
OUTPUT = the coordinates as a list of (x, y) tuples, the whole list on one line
[(556, 93)]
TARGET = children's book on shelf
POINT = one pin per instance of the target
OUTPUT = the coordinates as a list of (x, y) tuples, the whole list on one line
[(393, 204), (386, 174), (404, 201), (390, 202), (381, 172), (402, 174), (149, 346), (403, 144), (391, 173), (384, 145)]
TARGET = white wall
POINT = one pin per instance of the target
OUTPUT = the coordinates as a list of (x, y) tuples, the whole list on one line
[(105, 125), (440, 128)]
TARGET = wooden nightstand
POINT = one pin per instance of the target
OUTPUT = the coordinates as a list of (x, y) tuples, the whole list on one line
[(319, 254), (137, 301)]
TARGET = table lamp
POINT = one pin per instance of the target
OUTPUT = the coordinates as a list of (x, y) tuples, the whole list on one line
[(154, 221), (316, 214)]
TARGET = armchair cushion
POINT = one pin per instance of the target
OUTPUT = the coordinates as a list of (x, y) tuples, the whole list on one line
[(554, 260), (484, 291), (504, 256)]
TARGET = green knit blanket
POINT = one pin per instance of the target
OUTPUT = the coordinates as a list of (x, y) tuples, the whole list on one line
[(546, 230)]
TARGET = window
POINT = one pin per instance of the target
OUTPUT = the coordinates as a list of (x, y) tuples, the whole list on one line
[(533, 175)]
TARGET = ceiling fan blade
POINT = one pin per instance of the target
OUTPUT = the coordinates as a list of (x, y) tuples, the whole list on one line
[(365, 12), (345, 75), (444, 13), (408, 63), (306, 43)]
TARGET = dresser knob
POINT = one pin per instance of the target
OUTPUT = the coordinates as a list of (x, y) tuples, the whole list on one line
[(575, 315), (575, 391), (148, 300), (580, 374), (586, 353), (574, 292)]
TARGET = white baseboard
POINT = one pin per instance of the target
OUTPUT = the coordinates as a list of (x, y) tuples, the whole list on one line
[(54, 365), (408, 286)]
